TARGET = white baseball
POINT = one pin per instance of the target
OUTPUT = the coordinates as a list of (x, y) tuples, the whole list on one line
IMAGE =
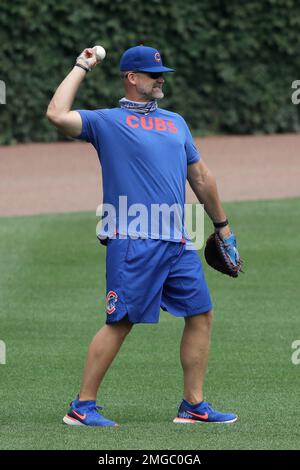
[(100, 52)]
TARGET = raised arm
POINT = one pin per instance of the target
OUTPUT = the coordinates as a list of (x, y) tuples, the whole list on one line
[(59, 109)]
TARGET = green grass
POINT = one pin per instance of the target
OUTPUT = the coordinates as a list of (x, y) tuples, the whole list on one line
[(52, 288)]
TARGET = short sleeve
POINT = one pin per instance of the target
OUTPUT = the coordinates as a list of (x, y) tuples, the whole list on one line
[(91, 125), (191, 151)]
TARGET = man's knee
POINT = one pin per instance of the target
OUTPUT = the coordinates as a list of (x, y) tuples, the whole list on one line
[(200, 320), (122, 327), (209, 316)]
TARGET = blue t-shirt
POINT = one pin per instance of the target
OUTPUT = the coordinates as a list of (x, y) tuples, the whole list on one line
[(144, 160)]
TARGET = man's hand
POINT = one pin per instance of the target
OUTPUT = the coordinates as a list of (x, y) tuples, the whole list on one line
[(88, 58), (224, 232)]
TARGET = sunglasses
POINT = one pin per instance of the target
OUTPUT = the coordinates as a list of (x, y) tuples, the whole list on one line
[(153, 75)]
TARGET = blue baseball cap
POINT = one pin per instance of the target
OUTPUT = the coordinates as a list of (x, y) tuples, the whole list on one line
[(142, 59)]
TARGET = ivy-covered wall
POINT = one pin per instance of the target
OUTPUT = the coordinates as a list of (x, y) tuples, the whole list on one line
[(235, 60)]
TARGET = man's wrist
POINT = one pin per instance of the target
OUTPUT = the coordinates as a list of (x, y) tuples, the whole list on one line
[(84, 62), (221, 224), (83, 67), (222, 228)]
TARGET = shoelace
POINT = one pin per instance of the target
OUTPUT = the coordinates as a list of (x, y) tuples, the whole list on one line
[(207, 406), (95, 407)]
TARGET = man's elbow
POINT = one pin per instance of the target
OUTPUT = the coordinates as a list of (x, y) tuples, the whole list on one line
[(52, 115), (199, 179)]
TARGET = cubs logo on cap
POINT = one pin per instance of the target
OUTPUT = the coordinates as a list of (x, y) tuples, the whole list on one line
[(142, 59)]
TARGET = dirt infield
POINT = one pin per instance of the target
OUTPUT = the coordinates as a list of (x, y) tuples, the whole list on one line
[(66, 177)]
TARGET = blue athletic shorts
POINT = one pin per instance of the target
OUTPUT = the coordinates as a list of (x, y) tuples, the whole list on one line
[(144, 275)]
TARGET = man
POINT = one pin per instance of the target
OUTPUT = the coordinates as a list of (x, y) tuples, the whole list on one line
[(146, 154)]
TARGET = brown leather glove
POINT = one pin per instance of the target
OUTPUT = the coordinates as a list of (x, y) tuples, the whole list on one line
[(222, 254)]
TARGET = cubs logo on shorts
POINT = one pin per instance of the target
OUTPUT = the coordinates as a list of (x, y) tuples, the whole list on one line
[(111, 300), (146, 275)]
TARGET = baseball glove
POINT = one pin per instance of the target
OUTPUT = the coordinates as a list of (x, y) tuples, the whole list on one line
[(223, 255)]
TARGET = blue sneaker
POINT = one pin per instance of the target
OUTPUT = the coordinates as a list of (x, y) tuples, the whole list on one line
[(85, 413), (202, 413)]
